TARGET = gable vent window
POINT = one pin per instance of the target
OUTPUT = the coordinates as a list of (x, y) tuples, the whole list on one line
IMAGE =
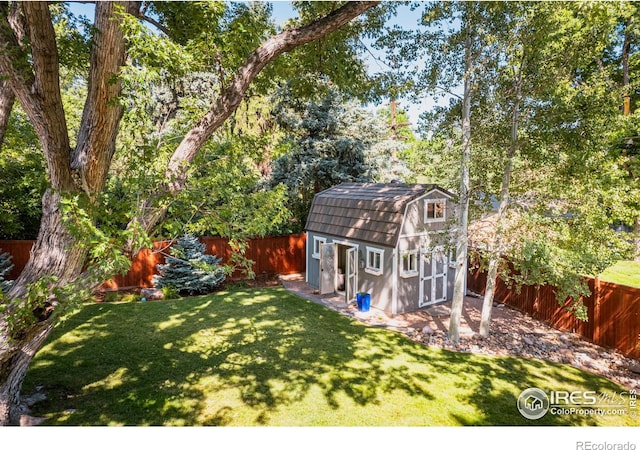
[(434, 210), (375, 256)]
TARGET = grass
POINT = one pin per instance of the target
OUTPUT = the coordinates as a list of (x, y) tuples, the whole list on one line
[(267, 357), (626, 273)]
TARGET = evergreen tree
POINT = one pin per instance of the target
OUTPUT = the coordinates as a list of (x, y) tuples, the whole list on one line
[(188, 269), (330, 141)]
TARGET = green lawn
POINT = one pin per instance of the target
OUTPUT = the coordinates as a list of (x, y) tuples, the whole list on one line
[(267, 357), (626, 273)]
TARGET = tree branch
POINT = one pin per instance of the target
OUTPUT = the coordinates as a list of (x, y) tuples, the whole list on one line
[(232, 95), (141, 15)]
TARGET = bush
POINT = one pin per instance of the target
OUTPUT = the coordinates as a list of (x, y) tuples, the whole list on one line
[(170, 292), (111, 297), (188, 270), (130, 298)]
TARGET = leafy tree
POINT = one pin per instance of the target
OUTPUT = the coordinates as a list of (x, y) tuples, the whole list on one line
[(188, 269), (72, 254), (541, 127), (570, 122), (543, 130), (22, 169)]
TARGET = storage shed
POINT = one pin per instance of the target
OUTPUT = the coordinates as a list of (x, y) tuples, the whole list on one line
[(391, 240)]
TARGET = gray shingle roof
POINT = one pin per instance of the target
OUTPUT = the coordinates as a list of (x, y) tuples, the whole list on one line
[(369, 212)]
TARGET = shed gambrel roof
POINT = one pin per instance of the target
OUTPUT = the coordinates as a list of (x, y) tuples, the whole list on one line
[(368, 212)]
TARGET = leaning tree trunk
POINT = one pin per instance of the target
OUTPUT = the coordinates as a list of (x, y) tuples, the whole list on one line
[(14, 369), (56, 253), (229, 99)]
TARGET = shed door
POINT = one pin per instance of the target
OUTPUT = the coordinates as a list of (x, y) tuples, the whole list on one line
[(352, 275), (327, 268), (433, 276)]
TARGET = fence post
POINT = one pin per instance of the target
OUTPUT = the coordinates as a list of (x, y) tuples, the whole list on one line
[(596, 312)]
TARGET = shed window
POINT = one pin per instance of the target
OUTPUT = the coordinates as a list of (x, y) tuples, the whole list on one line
[(409, 263), (453, 255), (434, 210), (374, 260), (317, 241)]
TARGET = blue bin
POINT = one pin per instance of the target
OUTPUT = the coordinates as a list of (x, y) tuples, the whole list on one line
[(363, 300)]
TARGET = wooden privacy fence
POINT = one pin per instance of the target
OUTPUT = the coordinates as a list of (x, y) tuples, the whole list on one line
[(613, 311), (272, 255), (19, 250)]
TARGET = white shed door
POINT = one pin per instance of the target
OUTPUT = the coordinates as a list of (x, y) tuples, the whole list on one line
[(433, 276), (327, 268), (352, 275)]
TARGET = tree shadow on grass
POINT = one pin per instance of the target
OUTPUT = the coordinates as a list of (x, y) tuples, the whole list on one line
[(206, 360), (155, 363), (492, 386)]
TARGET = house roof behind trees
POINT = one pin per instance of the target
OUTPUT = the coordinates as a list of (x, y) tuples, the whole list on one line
[(368, 212)]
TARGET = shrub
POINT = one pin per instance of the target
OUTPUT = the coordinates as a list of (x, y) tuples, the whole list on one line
[(170, 292), (188, 269), (110, 297), (130, 298)]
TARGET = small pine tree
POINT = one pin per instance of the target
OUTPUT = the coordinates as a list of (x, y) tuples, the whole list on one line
[(5, 268), (188, 269)]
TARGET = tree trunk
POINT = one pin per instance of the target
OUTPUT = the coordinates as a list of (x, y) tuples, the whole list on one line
[(7, 99), (626, 50), (56, 251), (14, 369), (495, 250), (459, 288)]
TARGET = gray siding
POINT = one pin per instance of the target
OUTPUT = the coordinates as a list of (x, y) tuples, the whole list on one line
[(313, 264), (414, 219), (409, 287), (379, 286)]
